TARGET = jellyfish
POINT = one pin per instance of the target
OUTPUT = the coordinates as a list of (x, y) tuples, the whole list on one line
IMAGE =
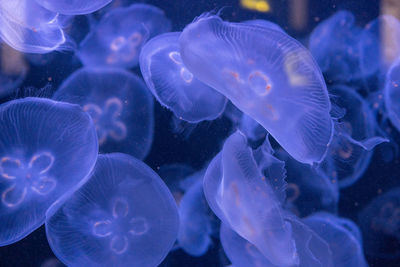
[(117, 39), (308, 189), (249, 202), (379, 223), (334, 44), (13, 69), (267, 75), (173, 85), (350, 152), (379, 46), (47, 149), (195, 226), (346, 248), (124, 213), (30, 28), (120, 105), (74, 7), (391, 94)]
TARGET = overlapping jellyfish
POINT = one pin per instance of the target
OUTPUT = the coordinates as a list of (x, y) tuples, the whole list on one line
[(355, 136), (47, 149), (267, 75), (379, 222), (125, 214), (391, 94), (173, 85), (334, 44), (120, 105), (119, 36), (28, 27)]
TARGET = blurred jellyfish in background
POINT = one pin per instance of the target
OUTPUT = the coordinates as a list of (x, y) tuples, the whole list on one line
[(379, 223), (173, 85), (379, 48), (120, 105), (350, 152), (346, 248), (173, 176), (334, 45), (308, 189), (392, 94), (47, 149), (266, 74), (13, 69), (118, 37), (73, 7), (125, 213), (28, 27), (196, 220)]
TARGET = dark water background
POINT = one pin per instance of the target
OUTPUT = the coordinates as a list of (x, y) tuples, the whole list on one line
[(206, 140)]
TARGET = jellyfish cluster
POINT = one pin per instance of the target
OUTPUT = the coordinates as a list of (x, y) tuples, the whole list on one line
[(302, 121)]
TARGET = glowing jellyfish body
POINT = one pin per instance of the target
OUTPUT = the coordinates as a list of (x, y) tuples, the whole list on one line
[(30, 28), (379, 222), (242, 197), (350, 151), (264, 23), (334, 44), (119, 36), (47, 149), (308, 189), (73, 7), (173, 85), (120, 105), (267, 75), (346, 249), (125, 214), (195, 225), (392, 94)]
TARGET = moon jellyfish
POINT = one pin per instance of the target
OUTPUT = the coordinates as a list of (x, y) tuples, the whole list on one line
[(308, 189), (334, 44), (195, 225), (13, 69), (47, 149), (119, 36), (73, 7), (244, 199), (173, 85), (351, 149), (120, 105), (268, 75), (379, 222), (125, 214), (379, 45), (392, 94), (30, 28), (346, 248)]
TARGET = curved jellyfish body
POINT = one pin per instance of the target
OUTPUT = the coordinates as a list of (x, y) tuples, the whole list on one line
[(267, 75), (28, 27), (242, 197), (47, 149), (346, 248), (125, 214), (379, 223), (173, 85), (119, 36), (334, 44), (73, 7), (120, 105), (392, 94)]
